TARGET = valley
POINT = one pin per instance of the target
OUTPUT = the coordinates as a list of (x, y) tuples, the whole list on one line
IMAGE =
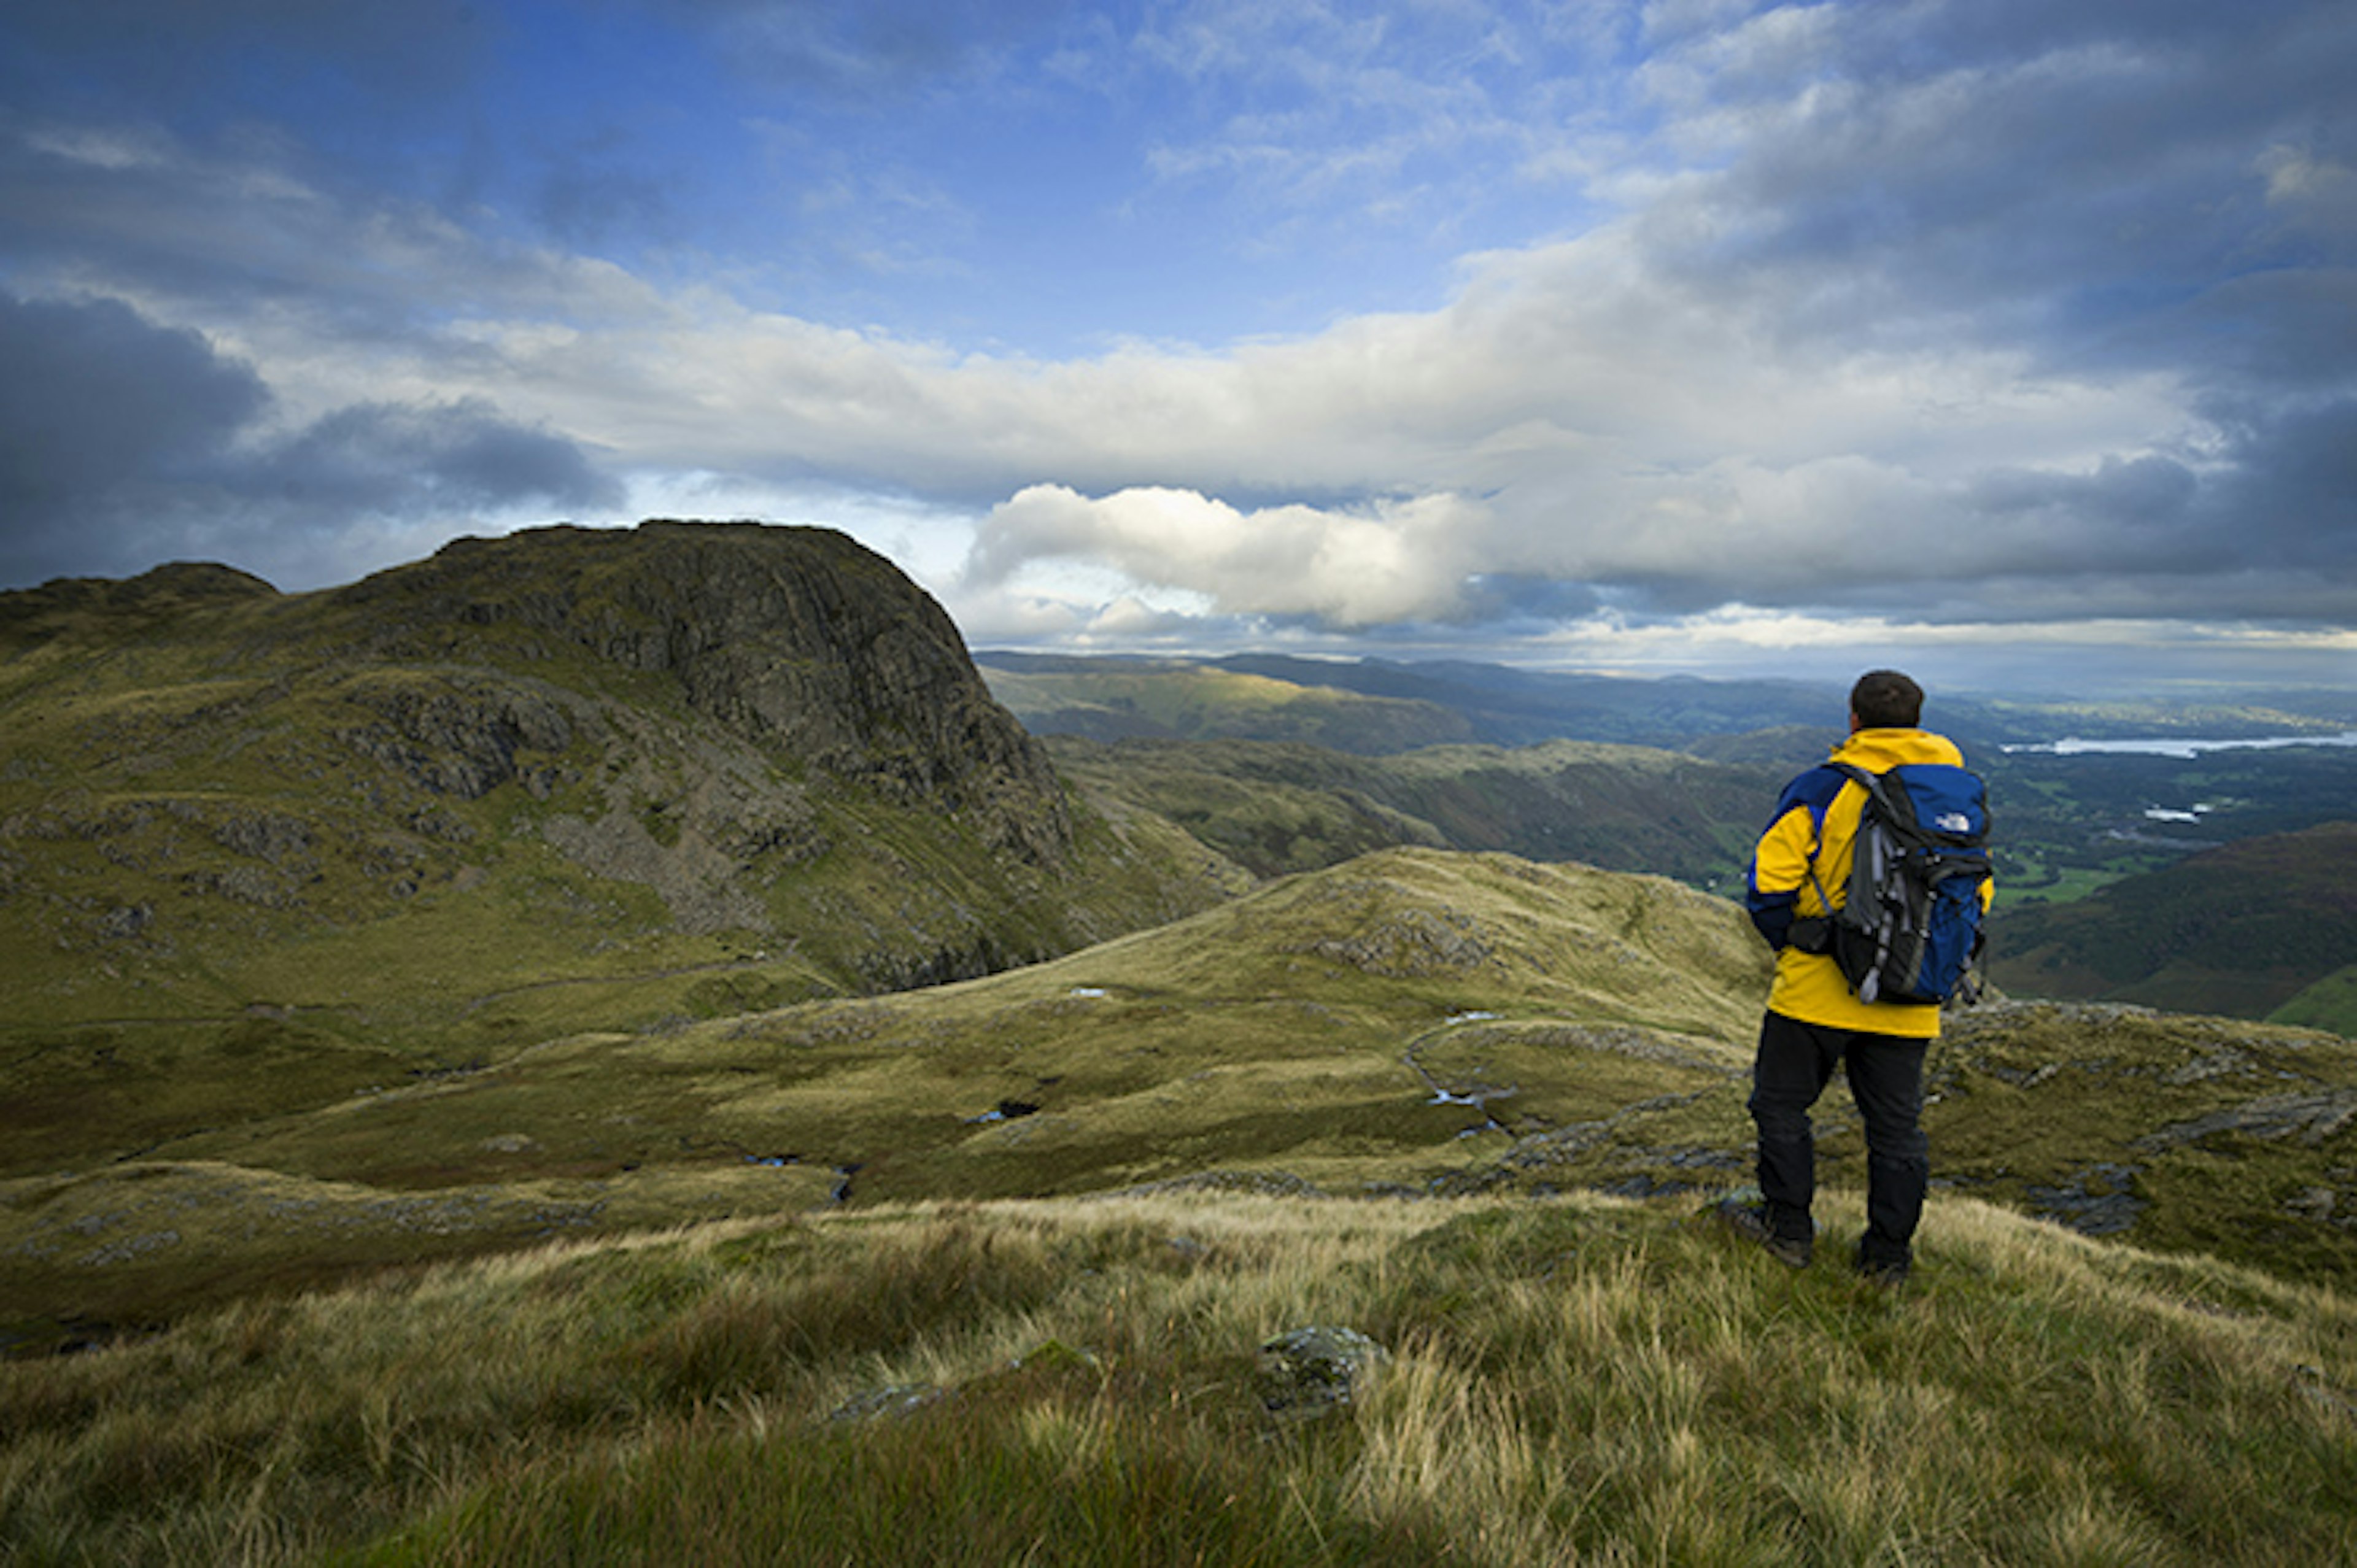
[(2152, 833)]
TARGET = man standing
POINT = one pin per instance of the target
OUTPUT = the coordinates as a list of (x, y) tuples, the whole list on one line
[(1816, 1022)]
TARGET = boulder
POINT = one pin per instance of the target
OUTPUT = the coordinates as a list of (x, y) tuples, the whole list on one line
[(1305, 1374)]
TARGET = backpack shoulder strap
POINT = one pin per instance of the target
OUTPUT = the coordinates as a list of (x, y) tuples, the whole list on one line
[(1864, 780), (1898, 807), (1870, 782)]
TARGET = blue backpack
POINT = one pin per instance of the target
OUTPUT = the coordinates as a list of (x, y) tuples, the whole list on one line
[(1909, 929)]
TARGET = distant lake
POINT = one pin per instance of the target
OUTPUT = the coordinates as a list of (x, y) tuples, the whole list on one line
[(2173, 746)]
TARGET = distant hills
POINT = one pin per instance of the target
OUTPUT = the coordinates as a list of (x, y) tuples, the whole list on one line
[(1372, 706), (1285, 764), (1273, 807)]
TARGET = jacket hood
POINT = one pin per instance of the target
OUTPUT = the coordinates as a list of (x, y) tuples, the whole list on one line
[(1877, 749)]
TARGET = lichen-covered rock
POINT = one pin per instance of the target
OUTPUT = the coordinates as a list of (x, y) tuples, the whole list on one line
[(460, 739), (1308, 1373), (1412, 943), (2314, 1115)]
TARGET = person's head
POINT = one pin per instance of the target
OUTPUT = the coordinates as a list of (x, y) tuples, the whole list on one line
[(1883, 699)]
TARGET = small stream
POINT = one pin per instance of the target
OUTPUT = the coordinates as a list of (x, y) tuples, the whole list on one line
[(1443, 1095)]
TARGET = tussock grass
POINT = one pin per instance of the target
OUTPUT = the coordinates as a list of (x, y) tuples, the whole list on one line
[(1579, 1380)]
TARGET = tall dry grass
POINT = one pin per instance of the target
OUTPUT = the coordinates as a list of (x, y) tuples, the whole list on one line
[(1571, 1381)]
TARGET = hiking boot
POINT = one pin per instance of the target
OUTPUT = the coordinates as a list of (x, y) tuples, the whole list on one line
[(1750, 1220), (1881, 1274)]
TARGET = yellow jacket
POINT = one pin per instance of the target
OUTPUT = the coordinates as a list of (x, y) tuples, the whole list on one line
[(1815, 821)]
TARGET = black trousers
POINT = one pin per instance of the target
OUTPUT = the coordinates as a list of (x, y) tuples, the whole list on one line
[(1796, 1060)]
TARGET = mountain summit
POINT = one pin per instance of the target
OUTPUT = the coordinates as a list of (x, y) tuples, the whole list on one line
[(671, 771), (798, 641)]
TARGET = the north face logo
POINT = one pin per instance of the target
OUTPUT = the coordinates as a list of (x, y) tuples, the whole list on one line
[(1953, 822)]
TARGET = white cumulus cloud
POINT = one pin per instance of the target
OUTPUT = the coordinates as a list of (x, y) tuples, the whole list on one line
[(1387, 561)]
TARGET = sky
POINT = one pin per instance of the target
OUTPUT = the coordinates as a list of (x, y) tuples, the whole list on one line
[(2009, 342)]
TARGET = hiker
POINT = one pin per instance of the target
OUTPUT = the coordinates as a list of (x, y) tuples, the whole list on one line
[(1815, 1019)]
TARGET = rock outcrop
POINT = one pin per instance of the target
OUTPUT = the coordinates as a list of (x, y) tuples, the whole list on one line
[(797, 640)]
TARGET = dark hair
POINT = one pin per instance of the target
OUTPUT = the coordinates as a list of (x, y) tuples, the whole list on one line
[(1883, 699)]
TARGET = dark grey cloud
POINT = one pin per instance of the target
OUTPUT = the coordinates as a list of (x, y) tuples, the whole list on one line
[(408, 459), (124, 443), (2265, 530), (2109, 193), (2074, 179), (2146, 514), (91, 393), (2291, 497)]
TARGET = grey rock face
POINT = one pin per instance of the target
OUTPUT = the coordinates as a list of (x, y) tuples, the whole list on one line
[(461, 741), (799, 640)]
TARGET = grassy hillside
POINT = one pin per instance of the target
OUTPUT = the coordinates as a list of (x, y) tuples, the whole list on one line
[(1577, 1378), (1412, 1021), (1283, 1030), (981, 1271), (1275, 808), (2329, 1004), (1109, 700)]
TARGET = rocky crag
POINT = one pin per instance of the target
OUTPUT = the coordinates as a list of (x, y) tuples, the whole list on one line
[(666, 772), (797, 640)]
